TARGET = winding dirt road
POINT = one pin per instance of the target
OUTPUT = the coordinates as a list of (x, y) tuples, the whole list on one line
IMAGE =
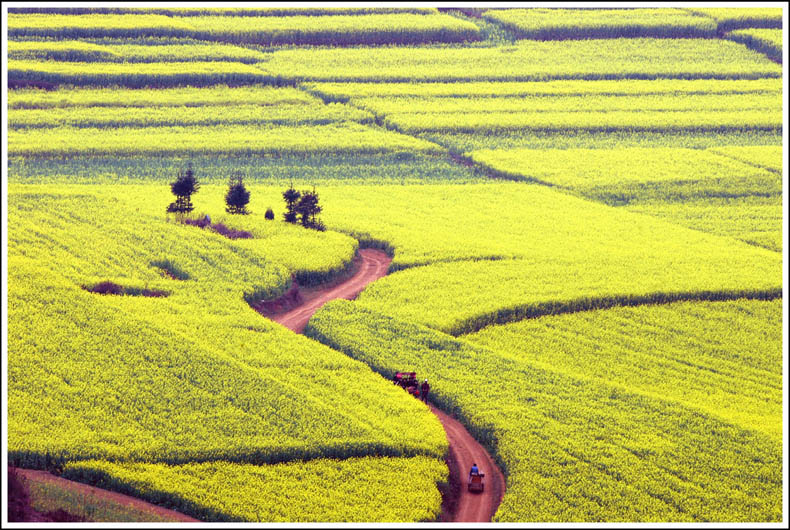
[(472, 507), (469, 507), (374, 265)]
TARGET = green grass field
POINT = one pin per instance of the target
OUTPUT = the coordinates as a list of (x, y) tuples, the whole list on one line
[(584, 214)]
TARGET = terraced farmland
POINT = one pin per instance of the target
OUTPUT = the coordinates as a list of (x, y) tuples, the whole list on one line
[(729, 18), (721, 363), (402, 28), (767, 41), (621, 87), (245, 139), (583, 208), (274, 491), (560, 24), (528, 61), (133, 75), (618, 176), (166, 97)]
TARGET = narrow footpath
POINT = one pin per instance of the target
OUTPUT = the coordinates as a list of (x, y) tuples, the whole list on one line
[(464, 449), (98, 496)]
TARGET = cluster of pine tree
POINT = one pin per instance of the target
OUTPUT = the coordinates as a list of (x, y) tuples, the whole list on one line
[(236, 199), (303, 207)]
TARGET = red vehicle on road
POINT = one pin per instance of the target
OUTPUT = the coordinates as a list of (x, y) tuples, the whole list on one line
[(408, 381), (476, 482)]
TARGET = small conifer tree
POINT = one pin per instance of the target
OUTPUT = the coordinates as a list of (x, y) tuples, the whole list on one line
[(308, 208), (291, 197), (237, 196), (183, 188)]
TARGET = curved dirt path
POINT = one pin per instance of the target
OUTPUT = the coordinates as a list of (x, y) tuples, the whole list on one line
[(91, 492), (472, 507), (469, 507), (374, 266)]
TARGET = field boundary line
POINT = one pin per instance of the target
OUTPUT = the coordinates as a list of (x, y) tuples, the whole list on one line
[(541, 309), (97, 493), (749, 162)]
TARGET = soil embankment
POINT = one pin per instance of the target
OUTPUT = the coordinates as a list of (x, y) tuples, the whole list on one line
[(464, 449)]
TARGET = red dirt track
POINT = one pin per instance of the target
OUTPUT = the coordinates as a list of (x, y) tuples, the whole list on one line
[(374, 266), (470, 507), (99, 494)]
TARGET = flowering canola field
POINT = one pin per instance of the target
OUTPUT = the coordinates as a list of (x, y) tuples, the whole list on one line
[(576, 448), (712, 356), (584, 210)]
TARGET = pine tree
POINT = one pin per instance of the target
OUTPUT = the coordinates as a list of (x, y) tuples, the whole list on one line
[(237, 196), (291, 197), (308, 208), (183, 188)]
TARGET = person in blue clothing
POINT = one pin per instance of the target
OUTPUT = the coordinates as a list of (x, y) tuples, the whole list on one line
[(474, 470)]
